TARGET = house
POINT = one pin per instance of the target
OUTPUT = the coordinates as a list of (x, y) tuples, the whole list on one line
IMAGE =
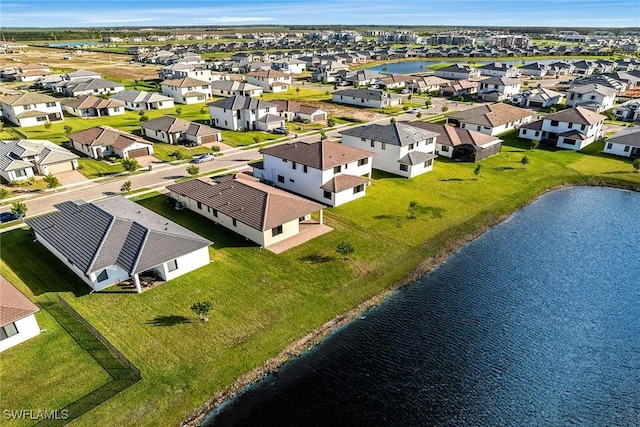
[(401, 149), (457, 72), (79, 75), (625, 143), (573, 128), (540, 97), (491, 119), (104, 141), (361, 78), (242, 112), (30, 109), (17, 317), (92, 106), (499, 69), (325, 171), (186, 90), (427, 84), (462, 144), (113, 240), (393, 81), (139, 100), (496, 89), (181, 70), (173, 130), (270, 81), (294, 111), (259, 212), (233, 87), (79, 87), (31, 72), (458, 88), (534, 69), (290, 65), (584, 67), (629, 110), (367, 98), (593, 96), (24, 158)]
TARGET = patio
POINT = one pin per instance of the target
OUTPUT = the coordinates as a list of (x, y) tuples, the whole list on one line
[(309, 229)]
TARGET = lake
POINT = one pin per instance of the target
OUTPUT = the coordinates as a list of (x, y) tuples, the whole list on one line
[(535, 323)]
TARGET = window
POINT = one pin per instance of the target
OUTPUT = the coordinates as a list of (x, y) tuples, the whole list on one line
[(373, 144), (235, 223), (281, 179), (404, 168), (172, 265), (51, 104), (626, 148), (41, 119), (445, 149), (583, 127), (384, 146), (524, 131), (26, 107), (363, 162), (363, 139), (8, 330), (102, 276), (215, 213), (570, 125), (276, 231), (337, 169), (327, 194), (200, 205), (428, 163), (20, 172), (284, 160), (358, 189), (554, 123), (304, 168), (569, 142), (609, 146), (537, 133), (293, 165)]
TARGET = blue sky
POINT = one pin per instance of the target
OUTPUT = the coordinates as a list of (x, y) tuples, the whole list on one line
[(150, 13)]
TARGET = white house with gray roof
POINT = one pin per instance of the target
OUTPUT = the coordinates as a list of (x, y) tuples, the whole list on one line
[(457, 72), (243, 112), (186, 90), (138, 100), (625, 143), (233, 87), (593, 96), (22, 159), (17, 316), (401, 149), (496, 89), (76, 88), (114, 240), (367, 98)]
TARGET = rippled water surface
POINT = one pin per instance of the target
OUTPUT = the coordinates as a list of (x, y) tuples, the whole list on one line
[(536, 323)]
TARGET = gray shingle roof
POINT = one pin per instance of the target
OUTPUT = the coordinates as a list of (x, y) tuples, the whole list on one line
[(13, 152), (239, 102), (416, 157), (400, 134), (134, 96), (114, 231), (367, 94), (628, 136)]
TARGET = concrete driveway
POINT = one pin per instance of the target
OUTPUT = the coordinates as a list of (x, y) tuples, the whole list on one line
[(71, 177)]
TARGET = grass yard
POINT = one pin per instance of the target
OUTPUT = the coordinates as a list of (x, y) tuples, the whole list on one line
[(261, 301), (304, 94), (92, 168), (162, 151), (242, 139)]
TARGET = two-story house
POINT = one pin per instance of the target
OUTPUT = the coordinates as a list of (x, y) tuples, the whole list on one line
[(242, 112), (573, 128), (328, 172), (457, 72), (401, 149), (491, 119), (272, 81), (93, 106), (233, 87), (367, 98), (186, 90), (499, 69), (496, 89), (31, 109), (290, 65), (595, 97)]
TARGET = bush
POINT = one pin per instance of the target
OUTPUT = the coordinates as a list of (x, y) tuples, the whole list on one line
[(193, 170), (51, 181), (177, 155), (130, 165), (126, 187), (4, 193), (19, 209), (331, 122)]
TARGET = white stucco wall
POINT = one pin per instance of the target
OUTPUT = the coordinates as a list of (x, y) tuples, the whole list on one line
[(27, 328), (617, 149), (186, 264)]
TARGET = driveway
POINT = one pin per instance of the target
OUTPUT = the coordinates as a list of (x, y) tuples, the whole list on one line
[(71, 177)]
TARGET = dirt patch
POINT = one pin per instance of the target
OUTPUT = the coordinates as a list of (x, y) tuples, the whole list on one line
[(337, 110)]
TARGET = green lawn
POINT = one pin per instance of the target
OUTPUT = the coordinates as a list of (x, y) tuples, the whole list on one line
[(262, 302), (92, 168), (302, 95), (164, 152), (241, 139)]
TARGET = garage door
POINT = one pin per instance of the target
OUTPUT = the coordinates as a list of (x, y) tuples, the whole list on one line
[(209, 138), (535, 104), (138, 152), (60, 167)]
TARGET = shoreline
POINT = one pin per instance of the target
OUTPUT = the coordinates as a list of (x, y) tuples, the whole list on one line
[(312, 338)]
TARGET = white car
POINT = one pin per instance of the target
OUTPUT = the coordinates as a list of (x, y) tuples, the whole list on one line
[(204, 158), (415, 110)]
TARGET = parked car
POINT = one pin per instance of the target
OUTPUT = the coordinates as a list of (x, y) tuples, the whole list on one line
[(7, 216), (415, 110), (281, 130), (204, 158)]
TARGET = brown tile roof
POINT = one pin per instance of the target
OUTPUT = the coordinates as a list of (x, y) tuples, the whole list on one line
[(321, 155), (27, 99), (343, 182), (185, 82), (13, 305), (578, 115), (244, 198), (268, 74), (491, 115), (106, 136), (90, 101), (453, 136)]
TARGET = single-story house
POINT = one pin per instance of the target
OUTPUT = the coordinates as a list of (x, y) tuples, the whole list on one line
[(17, 316), (462, 144), (114, 240), (92, 106), (540, 97), (499, 69), (625, 143), (22, 159), (491, 119), (259, 212), (233, 87), (31, 109), (77, 88), (458, 88), (104, 141), (629, 110), (138, 100), (367, 98), (457, 72), (173, 130), (293, 110)]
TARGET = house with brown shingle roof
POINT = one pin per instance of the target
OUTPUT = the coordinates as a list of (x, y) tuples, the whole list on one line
[(17, 316), (186, 90), (328, 172), (573, 128), (173, 130), (241, 203), (104, 141), (491, 119), (31, 109), (270, 81), (461, 144), (294, 111), (92, 106)]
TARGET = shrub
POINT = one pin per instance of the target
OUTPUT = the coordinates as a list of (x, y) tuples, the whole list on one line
[(331, 122), (19, 209), (126, 187), (193, 170), (177, 154), (344, 249), (202, 309), (51, 181), (130, 165), (4, 193)]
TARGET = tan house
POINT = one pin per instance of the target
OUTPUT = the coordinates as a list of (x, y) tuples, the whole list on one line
[(173, 130), (31, 109), (92, 106), (259, 212), (105, 141), (187, 90), (270, 80), (294, 111), (492, 119)]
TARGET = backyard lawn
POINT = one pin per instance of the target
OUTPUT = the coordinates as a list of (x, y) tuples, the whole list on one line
[(261, 301)]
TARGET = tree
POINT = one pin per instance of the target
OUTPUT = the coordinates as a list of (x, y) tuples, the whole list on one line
[(19, 209), (130, 165), (177, 154), (47, 125), (215, 149), (256, 139), (126, 187), (297, 90), (193, 170), (144, 118), (323, 135), (524, 161), (419, 115), (413, 209), (331, 122), (202, 309), (51, 181), (477, 170), (636, 165), (393, 120), (203, 110), (68, 129), (4, 193), (444, 108), (427, 103), (179, 110), (534, 144), (345, 249)]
